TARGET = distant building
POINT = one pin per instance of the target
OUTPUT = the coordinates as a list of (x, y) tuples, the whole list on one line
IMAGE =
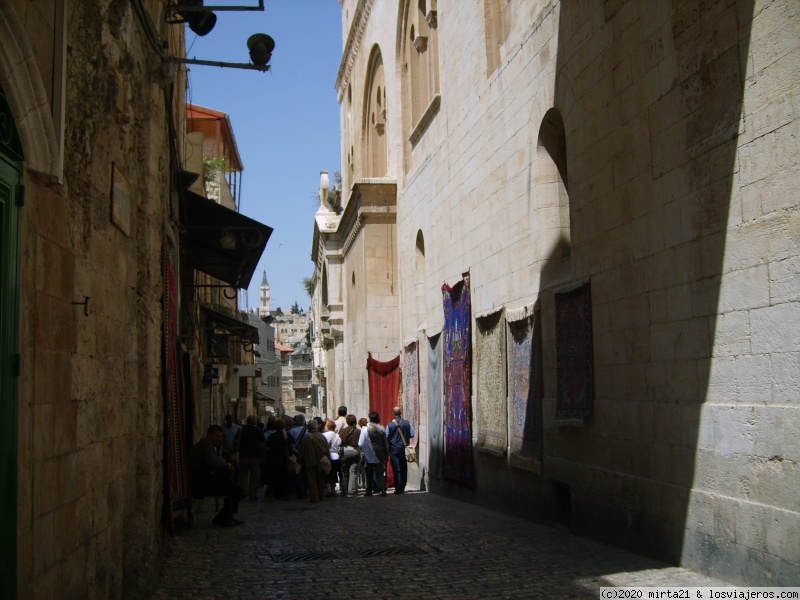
[(300, 388), (267, 383), (291, 330)]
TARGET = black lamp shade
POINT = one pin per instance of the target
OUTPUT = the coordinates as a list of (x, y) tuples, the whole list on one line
[(261, 47), (202, 22)]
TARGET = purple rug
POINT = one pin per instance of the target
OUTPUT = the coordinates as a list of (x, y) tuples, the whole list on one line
[(457, 365)]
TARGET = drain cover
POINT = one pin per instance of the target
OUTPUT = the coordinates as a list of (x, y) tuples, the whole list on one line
[(293, 557), (401, 551)]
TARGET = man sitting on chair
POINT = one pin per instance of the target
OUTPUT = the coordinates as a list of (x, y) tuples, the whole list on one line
[(212, 475)]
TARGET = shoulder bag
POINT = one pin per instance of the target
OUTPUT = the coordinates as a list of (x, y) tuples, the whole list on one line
[(411, 452)]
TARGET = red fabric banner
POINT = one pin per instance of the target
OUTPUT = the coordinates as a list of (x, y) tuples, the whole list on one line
[(384, 383)]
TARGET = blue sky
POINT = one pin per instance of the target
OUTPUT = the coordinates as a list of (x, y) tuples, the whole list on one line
[(286, 124)]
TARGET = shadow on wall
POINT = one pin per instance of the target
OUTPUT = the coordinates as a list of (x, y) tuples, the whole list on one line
[(662, 111)]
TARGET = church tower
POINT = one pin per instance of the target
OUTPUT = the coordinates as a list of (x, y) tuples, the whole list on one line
[(263, 309)]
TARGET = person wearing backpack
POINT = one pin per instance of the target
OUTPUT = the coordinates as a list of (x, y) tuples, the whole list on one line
[(399, 431)]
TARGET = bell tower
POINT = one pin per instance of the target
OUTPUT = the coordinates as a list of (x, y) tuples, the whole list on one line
[(263, 309)]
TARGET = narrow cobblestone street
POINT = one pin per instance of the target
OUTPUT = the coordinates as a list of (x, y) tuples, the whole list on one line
[(417, 545)]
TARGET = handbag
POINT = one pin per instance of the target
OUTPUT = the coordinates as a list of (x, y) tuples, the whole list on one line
[(350, 451), (411, 452), (291, 463)]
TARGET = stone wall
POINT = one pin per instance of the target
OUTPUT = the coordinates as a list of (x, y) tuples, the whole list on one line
[(90, 425), (675, 197)]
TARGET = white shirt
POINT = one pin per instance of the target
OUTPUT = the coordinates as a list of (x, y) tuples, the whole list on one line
[(333, 446), (341, 423), (366, 445)]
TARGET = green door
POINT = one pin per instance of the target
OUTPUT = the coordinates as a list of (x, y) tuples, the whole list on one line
[(11, 199)]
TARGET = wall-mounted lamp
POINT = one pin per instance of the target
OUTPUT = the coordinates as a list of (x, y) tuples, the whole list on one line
[(201, 20), (261, 47)]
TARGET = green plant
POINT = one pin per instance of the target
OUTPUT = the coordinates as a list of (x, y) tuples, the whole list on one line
[(214, 164), (308, 284)]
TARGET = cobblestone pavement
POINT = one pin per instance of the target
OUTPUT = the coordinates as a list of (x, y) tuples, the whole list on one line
[(416, 545)]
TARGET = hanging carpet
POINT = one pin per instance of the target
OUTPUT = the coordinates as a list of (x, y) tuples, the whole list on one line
[(457, 367)]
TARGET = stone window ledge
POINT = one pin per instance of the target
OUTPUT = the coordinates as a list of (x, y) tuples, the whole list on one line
[(425, 120)]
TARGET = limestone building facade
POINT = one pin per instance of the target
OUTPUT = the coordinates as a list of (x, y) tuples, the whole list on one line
[(103, 249), (604, 195)]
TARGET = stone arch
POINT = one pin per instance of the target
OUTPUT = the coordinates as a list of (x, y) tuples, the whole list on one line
[(374, 120), (548, 198), (27, 96), (551, 179)]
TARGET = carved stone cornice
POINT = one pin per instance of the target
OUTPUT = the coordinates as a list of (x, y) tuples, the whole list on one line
[(351, 46), (351, 236), (369, 199)]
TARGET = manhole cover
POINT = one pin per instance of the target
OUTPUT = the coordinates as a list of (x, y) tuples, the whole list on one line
[(292, 557), (401, 551)]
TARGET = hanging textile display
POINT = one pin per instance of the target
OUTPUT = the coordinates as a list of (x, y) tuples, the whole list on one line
[(176, 488), (411, 386), (491, 421), (457, 367), (384, 384), (574, 354), (436, 457), (525, 392)]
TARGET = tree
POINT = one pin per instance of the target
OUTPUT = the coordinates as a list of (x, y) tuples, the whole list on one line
[(278, 311), (295, 310), (308, 284)]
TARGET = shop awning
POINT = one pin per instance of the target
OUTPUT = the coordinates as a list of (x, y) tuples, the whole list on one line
[(218, 320), (221, 242)]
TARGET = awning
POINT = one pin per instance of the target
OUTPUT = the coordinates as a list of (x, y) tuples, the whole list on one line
[(219, 320), (221, 242)]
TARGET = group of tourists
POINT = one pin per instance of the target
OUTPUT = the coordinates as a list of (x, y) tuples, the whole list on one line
[(295, 458)]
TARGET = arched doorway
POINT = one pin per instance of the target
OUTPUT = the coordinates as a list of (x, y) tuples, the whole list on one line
[(11, 193)]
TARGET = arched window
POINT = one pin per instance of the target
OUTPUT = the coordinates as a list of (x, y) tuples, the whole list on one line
[(375, 113), (551, 179), (419, 45)]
